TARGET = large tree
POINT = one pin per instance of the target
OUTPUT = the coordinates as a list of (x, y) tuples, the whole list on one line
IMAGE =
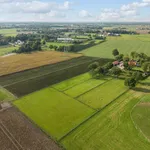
[(115, 71), (146, 67), (130, 82), (115, 52)]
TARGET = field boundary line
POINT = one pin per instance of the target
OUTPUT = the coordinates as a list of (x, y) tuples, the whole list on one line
[(90, 117), (46, 74), (92, 88), (135, 125)]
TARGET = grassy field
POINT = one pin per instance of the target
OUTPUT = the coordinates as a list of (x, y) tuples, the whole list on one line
[(141, 115), (6, 49), (53, 111), (72, 82), (98, 98), (111, 129), (5, 95), (75, 121), (125, 44), (18, 62), (8, 32), (84, 87)]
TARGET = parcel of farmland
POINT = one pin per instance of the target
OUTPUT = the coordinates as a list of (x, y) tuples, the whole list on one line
[(125, 44), (20, 62)]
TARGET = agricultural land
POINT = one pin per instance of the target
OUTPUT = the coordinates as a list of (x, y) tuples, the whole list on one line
[(74, 86), (125, 44)]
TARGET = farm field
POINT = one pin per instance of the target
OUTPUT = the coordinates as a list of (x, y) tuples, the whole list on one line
[(141, 112), (18, 62), (45, 76), (49, 109), (141, 115), (98, 98), (94, 116), (8, 32), (6, 49), (67, 84), (43, 70), (111, 128), (125, 44), (84, 87), (17, 133)]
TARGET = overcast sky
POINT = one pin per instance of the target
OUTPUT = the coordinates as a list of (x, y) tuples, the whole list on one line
[(75, 10)]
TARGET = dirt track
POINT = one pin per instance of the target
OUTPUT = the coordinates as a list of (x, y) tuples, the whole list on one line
[(17, 133)]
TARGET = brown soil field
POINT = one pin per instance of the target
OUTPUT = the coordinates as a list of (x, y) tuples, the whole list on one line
[(17, 133), (21, 62)]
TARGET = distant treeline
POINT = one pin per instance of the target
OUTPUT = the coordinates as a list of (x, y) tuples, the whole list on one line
[(75, 47), (121, 31)]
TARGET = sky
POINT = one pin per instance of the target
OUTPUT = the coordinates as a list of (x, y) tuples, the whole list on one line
[(74, 10)]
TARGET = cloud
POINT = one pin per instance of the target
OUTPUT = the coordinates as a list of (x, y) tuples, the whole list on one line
[(17, 6), (125, 12), (84, 14)]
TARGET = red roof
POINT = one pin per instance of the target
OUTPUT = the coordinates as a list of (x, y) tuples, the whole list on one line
[(116, 63)]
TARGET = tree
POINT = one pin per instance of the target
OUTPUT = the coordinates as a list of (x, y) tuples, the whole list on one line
[(146, 67), (126, 58), (115, 52), (134, 55), (93, 66), (115, 71), (119, 57), (137, 76), (108, 66), (51, 46), (44, 42), (130, 82)]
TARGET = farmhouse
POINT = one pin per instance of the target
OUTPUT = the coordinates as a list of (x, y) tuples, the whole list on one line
[(115, 63), (132, 63), (119, 64)]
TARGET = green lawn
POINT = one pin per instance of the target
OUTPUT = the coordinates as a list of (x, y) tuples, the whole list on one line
[(102, 95), (8, 32), (125, 44), (7, 49), (110, 129), (62, 86), (5, 95), (53, 111), (84, 87)]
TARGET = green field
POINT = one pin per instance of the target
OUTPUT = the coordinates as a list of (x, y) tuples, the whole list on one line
[(8, 32), (110, 129), (5, 95), (125, 44), (7, 49), (53, 111), (98, 98), (141, 115), (84, 87), (62, 86), (83, 113)]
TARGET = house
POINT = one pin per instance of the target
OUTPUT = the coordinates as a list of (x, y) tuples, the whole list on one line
[(119, 64), (132, 63), (116, 63)]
